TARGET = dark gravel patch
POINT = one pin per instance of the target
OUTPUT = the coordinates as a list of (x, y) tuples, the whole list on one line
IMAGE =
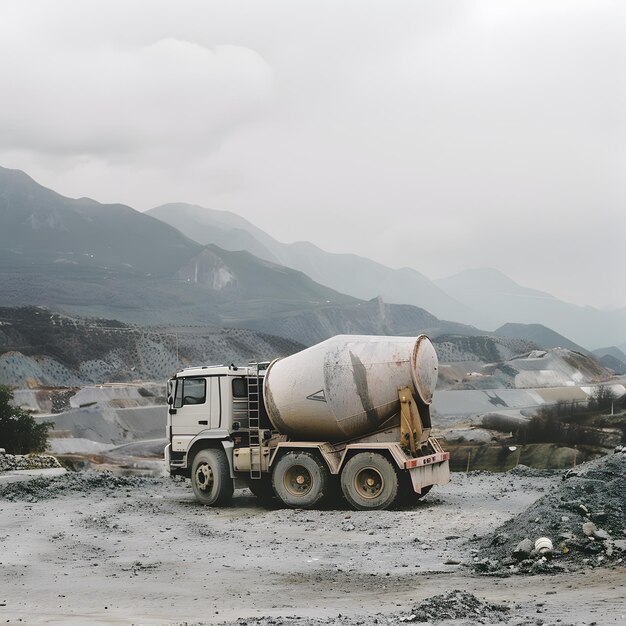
[(47, 488), (458, 606)]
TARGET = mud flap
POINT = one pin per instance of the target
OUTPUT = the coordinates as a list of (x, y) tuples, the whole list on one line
[(435, 474)]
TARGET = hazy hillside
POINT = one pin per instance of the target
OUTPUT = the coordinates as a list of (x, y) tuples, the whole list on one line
[(43, 348), (617, 365), (249, 277), (348, 273), (38, 347), (86, 259), (501, 300), (40, 226), (372, 317), (613, 351), (227, 230), (485, 298), (539, 334), (512, 362), (613, 358), (482, 348)]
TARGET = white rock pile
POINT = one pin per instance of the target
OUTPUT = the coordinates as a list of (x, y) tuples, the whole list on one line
[(13, 462)]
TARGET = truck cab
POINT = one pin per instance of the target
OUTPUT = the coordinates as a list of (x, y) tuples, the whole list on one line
[(212, 407)]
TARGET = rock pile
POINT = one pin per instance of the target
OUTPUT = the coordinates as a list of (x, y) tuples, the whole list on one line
[(46, 488), (12, 462), (457, 605), (581, 524), (460, 606)]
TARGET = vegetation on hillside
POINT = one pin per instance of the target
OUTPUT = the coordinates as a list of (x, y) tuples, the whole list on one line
[(576, 424), (19, 432)]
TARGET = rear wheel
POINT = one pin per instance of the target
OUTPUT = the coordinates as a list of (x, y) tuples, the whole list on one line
[(300, 479), (369, 481), (210, 477)]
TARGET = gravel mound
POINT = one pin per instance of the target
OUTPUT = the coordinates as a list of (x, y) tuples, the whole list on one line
[(47, 488), (583, 519), (454, 605), (12, 462)]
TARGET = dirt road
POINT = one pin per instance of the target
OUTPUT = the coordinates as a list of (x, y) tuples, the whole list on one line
[(144, 552)]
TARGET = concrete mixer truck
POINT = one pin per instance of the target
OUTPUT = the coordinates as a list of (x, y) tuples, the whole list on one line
[(350, 415)]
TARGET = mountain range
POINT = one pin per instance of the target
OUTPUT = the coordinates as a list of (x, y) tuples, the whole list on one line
[(485, 298), (80, 257), (186, 265), (347, 273)]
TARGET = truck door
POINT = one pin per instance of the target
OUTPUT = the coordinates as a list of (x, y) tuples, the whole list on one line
[(197, 404)]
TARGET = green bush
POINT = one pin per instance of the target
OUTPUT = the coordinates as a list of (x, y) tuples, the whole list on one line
[(19, 432)]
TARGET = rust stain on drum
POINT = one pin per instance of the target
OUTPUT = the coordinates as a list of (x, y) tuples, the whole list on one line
[(271, 408), (359, 374)]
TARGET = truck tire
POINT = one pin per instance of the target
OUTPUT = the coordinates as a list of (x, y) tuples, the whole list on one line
[(210, 477), (369, 482), (300, 479)]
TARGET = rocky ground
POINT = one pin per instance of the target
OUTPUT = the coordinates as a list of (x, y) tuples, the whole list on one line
[(583, 517), (98, 548), (13, 462)]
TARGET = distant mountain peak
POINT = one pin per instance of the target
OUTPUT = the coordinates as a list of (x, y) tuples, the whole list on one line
[(41, 227)]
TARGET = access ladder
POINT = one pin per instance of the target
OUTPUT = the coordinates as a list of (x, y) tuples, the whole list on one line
[(254, 423)]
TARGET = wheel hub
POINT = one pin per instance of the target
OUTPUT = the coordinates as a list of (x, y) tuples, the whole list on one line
[(204, 477), (369, 482), (298, 480)]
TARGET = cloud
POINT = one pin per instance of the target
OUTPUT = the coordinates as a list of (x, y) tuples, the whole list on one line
[(164, 99)]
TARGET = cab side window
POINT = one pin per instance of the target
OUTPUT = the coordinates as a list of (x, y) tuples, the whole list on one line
[(190, 391), (240, 388)]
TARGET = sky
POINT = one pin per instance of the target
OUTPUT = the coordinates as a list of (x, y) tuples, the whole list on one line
[(438, 135)]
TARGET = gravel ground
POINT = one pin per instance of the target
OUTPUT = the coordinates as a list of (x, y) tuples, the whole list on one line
[(102, 549)]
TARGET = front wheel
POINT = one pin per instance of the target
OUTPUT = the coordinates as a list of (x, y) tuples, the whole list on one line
[(369, 482), (210, 477), (301, 480)]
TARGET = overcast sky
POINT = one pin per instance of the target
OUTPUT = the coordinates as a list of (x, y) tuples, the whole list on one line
[(437, 135)]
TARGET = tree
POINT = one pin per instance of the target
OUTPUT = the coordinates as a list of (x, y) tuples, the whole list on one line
[(19, 432), (602, 398)]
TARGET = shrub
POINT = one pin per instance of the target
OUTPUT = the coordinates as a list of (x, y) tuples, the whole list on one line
[(19, 432), (602, 399)]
